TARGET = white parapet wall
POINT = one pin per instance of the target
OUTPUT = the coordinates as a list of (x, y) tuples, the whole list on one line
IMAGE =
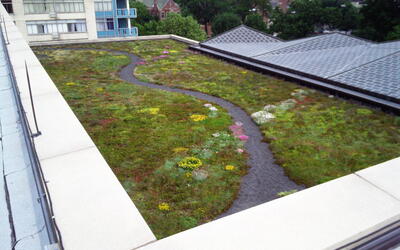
[(116, 39), (91, 208)]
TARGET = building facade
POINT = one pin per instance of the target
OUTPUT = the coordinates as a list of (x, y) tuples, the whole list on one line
[(161, 8), (46, 20)]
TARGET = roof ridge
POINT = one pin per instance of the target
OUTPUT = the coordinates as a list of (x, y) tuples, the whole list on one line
[(314, 38), (243, 26), (359, 66)]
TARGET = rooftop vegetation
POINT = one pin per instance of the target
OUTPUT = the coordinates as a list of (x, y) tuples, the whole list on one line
[(174, 155), (316, 137)]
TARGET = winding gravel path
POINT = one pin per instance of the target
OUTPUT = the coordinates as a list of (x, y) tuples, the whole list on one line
[(264, 179)]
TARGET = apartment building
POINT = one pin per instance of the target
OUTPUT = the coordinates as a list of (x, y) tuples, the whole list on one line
[(46, 20)]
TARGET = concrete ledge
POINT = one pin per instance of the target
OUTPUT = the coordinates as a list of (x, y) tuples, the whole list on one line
[(117, 39)]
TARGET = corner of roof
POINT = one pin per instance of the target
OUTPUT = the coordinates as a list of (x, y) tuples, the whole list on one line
[(243, 26), (223, 33)]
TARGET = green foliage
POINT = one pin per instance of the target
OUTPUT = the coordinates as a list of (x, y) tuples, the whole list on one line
[(143, 14), (204, 10), (150, 28), (122, 117), (379, 18), (181, 26), (306, 17), (301, 19), (315, 138), (224, 22), (395, 34), (286, 193), (255, 21)]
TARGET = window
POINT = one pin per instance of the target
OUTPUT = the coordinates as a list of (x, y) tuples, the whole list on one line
[(103, 5), (105, 24), (48, 6), (58, 26), (162, 15), (8, 5)]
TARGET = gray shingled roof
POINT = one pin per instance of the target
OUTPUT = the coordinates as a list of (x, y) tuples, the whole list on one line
[(150, 3), (347, 60)]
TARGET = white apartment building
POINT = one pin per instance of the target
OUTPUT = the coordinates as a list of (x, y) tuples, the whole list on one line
[(46, 20)]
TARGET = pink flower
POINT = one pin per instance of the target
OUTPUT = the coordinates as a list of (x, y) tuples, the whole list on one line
[(163, 56), (141, 63), (234, 127), (239, 150), (165, 52), (181, 62), (243, 137)]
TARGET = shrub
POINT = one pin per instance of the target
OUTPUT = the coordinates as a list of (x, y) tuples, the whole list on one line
[(255, 21), (181, 26)]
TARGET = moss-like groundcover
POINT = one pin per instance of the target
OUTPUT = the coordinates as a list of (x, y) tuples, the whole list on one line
[(315, 137), (175, 155), (172, 153)]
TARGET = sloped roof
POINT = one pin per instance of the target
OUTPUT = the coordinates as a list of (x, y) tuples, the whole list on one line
[(150, 3), (347, 60)]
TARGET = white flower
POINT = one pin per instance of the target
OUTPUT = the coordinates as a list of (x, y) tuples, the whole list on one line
[(208, 105), (262, 117), (216, 134), (239, 124), (213, 108)]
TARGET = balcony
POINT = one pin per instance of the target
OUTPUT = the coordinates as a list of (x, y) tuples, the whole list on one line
[(104, 14), (121, 32), (119, 13), (126, 13)]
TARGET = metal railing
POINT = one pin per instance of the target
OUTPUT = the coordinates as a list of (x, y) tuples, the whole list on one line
[(40, 182), (126, 13), (121, 32)]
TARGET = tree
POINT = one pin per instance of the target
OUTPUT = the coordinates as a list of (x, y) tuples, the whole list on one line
[(143, 14), (224, 22), (379, 17), (181, 26), (255, 21), (149, 28), (395, 34), (204, 10), (243, 8), (302, 18)]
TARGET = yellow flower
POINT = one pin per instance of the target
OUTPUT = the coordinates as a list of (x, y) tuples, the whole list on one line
[(190, 163), (173, 51), (198, 118), (163, 206), (70, 83), (188, 174), (100, 89), (180, 149), (152, 111), (244, 72), (229, 167)]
